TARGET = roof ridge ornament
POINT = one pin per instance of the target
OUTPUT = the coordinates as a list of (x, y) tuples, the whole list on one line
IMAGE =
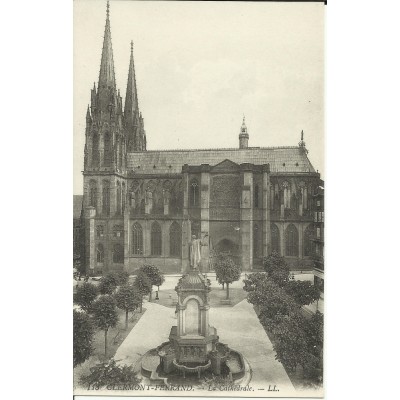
[(302, 143)]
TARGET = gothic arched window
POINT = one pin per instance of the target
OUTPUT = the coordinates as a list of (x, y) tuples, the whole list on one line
[(308, 243), (175, 239), (93, 193), (100, 253), (107, 150), (194, 193), (275, 239), (95, 150), (118, 253), (292, 241), (106, 197), (118, 198), (156, 240), (137, 239)]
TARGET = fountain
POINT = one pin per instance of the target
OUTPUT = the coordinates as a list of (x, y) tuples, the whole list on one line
[(193, 346)]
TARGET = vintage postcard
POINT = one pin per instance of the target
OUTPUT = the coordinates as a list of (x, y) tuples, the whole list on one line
[(198, 198)]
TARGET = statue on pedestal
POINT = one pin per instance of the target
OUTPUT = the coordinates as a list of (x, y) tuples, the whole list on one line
[(195, 251)]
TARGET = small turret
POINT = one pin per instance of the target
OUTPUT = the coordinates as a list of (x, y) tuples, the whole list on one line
[(243, 136), (88, 117)]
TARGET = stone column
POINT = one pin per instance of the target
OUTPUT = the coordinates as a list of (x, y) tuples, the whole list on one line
[(90, 245), (205, 214), (301, 202), (266, 238), (181, 313), (185, 172), (246, 216), (283, 249)]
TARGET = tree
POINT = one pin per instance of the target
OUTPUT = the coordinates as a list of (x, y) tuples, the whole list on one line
[(108, 283), (226, 271), (291, 344), (83, 337), (105, 315), (303, 292), (109, 373), (252, 282), (85, 295), (277, 269), (122, 277), (142, 286), (154, 274), (127, 299)]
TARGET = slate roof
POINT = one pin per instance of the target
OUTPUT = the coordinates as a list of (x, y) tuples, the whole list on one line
[(281, 159), (78, 198)]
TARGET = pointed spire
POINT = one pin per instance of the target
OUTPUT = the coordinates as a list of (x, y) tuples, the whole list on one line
[(106, 86), (88, 117), (131, 99), (302, 143), (243, 135)]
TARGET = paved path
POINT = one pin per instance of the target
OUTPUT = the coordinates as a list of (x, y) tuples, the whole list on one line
[(240, 329), (151, 330)]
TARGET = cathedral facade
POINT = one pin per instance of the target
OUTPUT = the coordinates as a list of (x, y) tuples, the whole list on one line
[(144, 206)]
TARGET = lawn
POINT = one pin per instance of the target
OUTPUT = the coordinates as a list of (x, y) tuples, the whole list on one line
[(115, 337)]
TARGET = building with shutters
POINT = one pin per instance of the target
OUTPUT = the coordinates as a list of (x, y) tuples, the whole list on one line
[(143, 206)]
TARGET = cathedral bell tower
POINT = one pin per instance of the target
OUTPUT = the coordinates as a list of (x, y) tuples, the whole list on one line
[(105, 147)]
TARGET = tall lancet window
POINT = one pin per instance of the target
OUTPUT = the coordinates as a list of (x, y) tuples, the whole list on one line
[(275, 239), (95, 150), (107, 150), (194, 193), (175, 239), (156, 240), (292, 241), (123, 196), (93, 193), (137, 239), (119, 199), (106, 197)]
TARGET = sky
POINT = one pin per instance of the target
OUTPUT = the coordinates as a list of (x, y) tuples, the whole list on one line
[(201, 66)]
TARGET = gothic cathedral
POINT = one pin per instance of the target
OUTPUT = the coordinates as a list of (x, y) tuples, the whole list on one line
[(143, 206)]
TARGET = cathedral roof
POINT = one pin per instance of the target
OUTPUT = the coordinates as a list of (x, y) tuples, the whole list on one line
[(290, 159)]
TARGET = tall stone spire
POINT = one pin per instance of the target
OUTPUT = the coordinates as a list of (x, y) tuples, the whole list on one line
[(131, 99), (107, 87), (133, 118)]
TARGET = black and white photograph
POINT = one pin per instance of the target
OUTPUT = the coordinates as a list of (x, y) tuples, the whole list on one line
[(198, 198)]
